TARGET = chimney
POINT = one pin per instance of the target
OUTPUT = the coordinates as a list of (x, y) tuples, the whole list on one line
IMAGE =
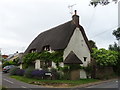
[(75, 18)]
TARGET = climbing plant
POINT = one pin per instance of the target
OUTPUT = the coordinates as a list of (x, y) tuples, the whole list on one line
[(56, 56)]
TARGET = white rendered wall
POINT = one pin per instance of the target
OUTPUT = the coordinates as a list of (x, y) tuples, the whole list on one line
[(54, 65), (78, 45), (37, 64), (82, 74), (21, 66)]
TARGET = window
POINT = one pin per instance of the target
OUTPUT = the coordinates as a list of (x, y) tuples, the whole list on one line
[(33, 50), (46, 64), (46, 48), (85, 59)]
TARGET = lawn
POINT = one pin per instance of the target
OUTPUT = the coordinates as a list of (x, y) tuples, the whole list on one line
[(54, 83)]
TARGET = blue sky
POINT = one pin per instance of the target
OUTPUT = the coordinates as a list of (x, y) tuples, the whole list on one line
[(22, 20)]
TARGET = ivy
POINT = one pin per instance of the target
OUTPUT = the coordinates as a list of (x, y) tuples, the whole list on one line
[(56, 56)]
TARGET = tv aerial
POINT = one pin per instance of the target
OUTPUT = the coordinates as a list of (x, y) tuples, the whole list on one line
[(71, 8)]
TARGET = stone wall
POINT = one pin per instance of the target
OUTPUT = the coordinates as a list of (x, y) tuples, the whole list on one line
[(104, 73)]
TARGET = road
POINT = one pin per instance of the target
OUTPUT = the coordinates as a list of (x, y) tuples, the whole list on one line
[(110, 84), (12, 83)]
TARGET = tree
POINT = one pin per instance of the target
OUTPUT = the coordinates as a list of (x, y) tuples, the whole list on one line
[(116, 33), (92, 44), (105, 57), (114, 47), (101, 2)]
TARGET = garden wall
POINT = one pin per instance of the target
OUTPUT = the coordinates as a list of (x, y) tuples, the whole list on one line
[(104, 73)]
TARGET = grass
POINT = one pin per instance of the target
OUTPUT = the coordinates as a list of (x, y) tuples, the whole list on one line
[(54, 82), (3, 88)]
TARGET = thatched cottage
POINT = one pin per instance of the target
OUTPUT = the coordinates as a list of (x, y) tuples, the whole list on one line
[(69, 37)]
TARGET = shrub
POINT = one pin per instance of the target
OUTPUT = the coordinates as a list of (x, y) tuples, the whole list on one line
[(38, 73), (28, 72), (13, 70), (55, 74), (20, 72)]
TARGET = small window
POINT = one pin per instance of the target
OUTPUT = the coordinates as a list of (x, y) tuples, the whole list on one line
[(85, 58), (45, 64), (46, 48), (33, 50)]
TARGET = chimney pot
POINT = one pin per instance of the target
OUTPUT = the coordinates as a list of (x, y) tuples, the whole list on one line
[(75, 18)]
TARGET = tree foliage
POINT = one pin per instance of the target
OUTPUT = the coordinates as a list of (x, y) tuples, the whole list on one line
[(116, 33), (101, 2), (92, 44), (105, 57), (114, 47)]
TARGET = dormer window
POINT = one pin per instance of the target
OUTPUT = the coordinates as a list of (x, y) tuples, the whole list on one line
[(46, 48), (33, 50)]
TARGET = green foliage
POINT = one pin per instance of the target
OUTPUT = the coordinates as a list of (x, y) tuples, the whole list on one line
[(56, 56), (28, 72), (116, 33), (55, 73), (101, 2), (45, 56), (116, 68), (88, 69), (13, 70), (114, 47), (74, 67), (105, 57), (92, 44), (28, 58), (8, 63)]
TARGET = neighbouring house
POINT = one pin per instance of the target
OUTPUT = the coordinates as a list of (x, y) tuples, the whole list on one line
[(14, 56), (69, 37), (4, 56)]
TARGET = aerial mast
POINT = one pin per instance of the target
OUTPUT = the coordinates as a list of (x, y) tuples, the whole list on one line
[(71, 8)]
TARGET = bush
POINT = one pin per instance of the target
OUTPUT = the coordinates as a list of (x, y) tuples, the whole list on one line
[(38, 74), (28, 72), (55, 74), (8, 63), (20, 72), (13, 70)]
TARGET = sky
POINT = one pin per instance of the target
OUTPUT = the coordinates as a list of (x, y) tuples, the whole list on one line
[(22, 20)]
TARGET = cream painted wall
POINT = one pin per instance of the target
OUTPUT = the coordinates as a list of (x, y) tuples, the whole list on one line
[(54, 65), (82, 74), (21, 66), (78, 45), (37, 64)]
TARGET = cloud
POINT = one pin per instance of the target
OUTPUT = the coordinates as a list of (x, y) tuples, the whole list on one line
[(22, 20)]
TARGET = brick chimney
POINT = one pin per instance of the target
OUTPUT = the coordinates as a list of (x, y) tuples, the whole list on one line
[(75, 18)]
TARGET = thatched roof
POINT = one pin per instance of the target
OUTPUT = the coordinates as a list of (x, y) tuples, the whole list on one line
[(72, 59), (57, 38)]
